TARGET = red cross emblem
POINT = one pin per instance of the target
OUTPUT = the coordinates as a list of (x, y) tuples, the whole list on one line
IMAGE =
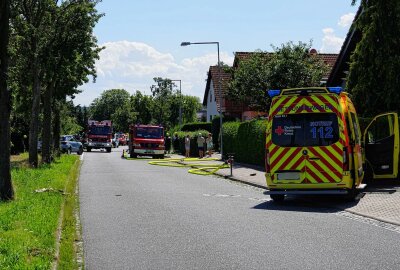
[(279, 130)]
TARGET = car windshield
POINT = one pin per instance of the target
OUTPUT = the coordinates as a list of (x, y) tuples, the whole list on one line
[(99, 130), (310, 129), (65, 138), (149, 133)]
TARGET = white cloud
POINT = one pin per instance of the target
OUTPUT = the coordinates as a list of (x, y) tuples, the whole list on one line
[(133, 65), (346, 20), (330, 42)]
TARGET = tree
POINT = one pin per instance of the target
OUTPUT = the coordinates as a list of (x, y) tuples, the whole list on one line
[(105, 106), (6, 190), (32, 24), (249, 81), (143, 106), (190, 106), (373, 78), (289, 66), (162, 93), (72, 54), (123, 117), (54, 51)]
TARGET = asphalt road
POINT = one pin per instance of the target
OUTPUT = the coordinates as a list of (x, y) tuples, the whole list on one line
[(139, 216)]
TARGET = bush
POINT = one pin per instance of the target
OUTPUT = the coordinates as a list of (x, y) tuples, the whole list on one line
[(215, 128), (197, 126), (194, 151), (246, 140)]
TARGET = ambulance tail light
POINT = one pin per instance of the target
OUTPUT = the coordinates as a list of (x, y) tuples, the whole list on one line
[(345, 160), (267, 162)]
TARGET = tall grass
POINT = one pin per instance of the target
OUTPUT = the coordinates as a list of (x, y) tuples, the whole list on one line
[(28, 224)]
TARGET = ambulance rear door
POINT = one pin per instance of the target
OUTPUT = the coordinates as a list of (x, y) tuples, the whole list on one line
[(381, 142)]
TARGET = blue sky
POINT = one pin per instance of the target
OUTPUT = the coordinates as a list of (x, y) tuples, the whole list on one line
[(142, 38)]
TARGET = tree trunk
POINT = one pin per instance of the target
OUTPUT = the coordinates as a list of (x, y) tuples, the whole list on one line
[(6, 190), (47, 142), (56, 128), (34, 125)]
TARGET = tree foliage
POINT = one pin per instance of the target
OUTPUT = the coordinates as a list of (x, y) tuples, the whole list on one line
[(289, 66), (162, 107), (373, 79), (103, 107)]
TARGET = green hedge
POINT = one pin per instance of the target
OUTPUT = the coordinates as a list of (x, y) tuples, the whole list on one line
[(194, 151), (215, 128), (246, 140), (197, 126)]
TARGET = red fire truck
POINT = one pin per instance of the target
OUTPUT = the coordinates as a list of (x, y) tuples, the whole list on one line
[(99, 135), (146, 140)]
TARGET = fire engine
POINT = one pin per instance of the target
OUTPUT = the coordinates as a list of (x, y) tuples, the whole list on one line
[(99, 135), (146, 140)]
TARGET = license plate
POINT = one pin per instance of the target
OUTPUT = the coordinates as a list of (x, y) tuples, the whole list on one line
[(288, 176)]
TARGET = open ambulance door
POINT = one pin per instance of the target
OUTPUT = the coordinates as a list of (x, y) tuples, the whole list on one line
[(381, 143)]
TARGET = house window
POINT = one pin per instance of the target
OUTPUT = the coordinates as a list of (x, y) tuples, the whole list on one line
[(210, 97), (210, 118)]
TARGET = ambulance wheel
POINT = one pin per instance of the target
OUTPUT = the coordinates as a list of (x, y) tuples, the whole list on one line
[(109, 150), (277, 197), (88, 149), (133, 155)]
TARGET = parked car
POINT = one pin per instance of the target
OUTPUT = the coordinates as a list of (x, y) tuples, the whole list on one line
[(68, 144)]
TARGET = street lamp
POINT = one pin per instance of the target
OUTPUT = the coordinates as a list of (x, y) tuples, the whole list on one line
[(180, 101), (186, 43)]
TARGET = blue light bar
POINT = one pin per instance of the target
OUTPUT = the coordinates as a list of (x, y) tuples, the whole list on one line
[(273, 93), (335, 90)]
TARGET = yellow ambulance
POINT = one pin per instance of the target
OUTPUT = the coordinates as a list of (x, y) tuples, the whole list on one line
[(313, 143)]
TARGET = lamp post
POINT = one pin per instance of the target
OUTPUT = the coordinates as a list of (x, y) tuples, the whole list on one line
[(219, 85), (180, 101)]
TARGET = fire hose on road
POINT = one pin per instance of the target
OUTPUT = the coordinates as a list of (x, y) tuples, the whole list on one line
[(198, 166)]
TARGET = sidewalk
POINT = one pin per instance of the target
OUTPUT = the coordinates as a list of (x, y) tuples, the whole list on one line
[(380, 200)]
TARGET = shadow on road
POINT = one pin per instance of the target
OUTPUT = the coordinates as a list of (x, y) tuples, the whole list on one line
[(312, 204), (388, 186)]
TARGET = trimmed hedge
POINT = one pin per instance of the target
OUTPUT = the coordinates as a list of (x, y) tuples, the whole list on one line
[(194, 151), (246, 140), (216, 128), (197, 126)]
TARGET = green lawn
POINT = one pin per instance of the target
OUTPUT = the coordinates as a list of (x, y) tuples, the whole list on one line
[(28, 225)]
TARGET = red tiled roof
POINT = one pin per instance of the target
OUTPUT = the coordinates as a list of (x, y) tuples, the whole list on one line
[(213, 75), (328, 58)]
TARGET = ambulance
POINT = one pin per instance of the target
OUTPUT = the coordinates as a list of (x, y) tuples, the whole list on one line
[(313, 143)]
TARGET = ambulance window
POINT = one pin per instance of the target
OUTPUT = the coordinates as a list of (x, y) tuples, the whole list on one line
[(379, 130), (310, 129), (356, 128)]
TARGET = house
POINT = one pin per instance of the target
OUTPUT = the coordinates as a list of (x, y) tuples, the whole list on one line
[(212, 96), (213, 100)]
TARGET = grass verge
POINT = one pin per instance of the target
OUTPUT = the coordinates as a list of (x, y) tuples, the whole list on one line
[(29, 224)]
